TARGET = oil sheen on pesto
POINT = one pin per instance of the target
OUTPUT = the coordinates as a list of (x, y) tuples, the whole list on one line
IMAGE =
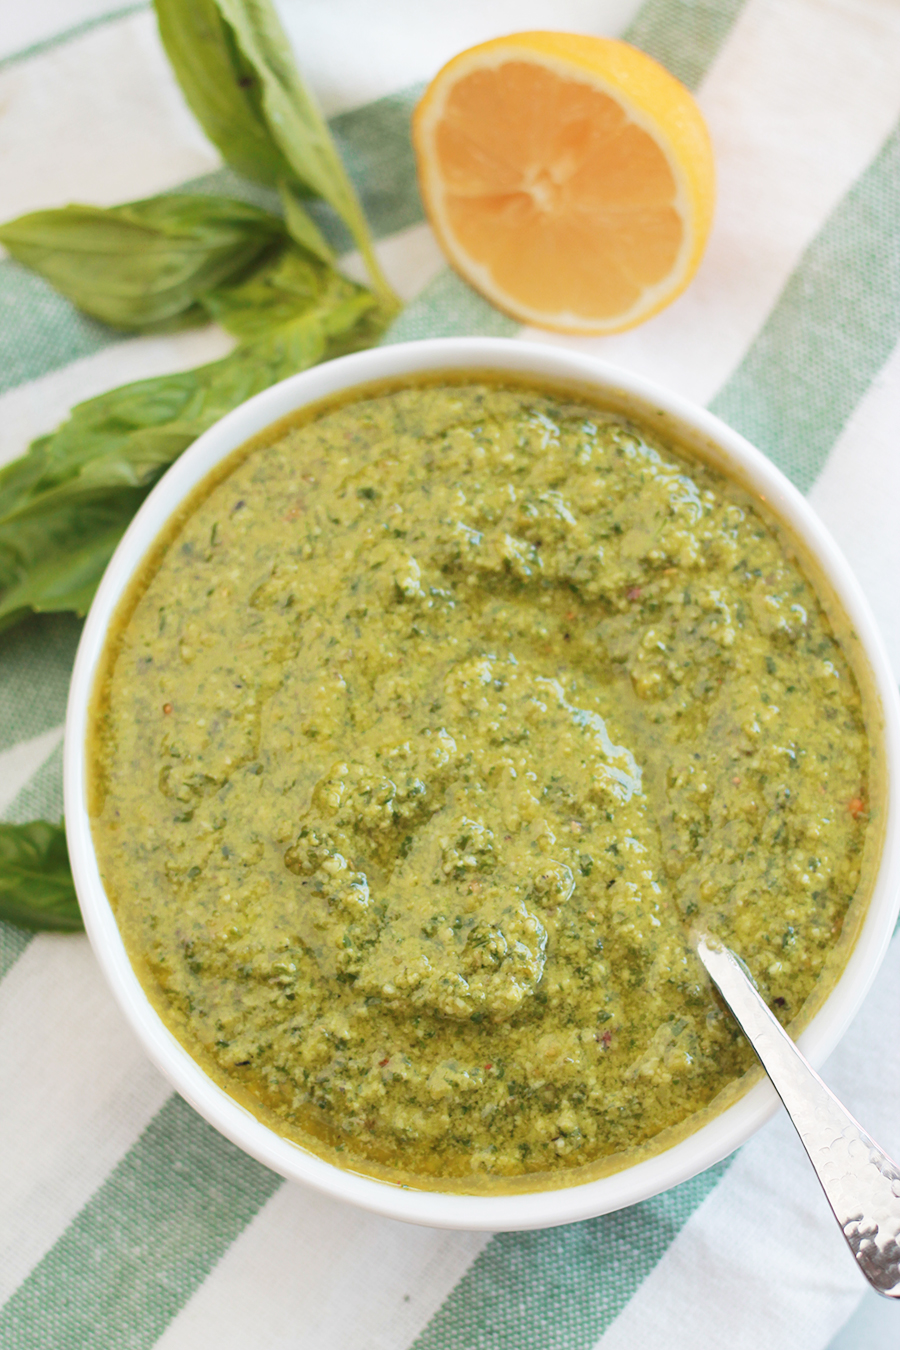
[(440, 722)]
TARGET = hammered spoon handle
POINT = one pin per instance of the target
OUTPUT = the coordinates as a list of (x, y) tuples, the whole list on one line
[(861, 1183)]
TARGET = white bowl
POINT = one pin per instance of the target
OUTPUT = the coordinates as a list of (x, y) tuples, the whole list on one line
[(712, 440)]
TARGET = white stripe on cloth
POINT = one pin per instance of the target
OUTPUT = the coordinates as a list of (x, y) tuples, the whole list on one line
[(99, 119), (762, 1261), (19, 764), (857, 495), (78, 1090), (798, 102), (311, 1271)]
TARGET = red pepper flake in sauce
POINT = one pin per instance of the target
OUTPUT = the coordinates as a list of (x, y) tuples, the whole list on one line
[(382, 1062), (857, 807), (634, 593), (167, 708)]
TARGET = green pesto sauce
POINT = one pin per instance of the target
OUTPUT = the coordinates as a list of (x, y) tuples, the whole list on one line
[(439, 723)]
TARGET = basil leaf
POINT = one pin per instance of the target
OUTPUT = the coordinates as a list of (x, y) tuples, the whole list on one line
[(296, 124), (221, 87), (36, 889), (236, 68), (66, 503), (143, 266)]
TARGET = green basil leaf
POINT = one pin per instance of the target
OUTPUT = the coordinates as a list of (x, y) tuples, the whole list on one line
[(59, 565), (288, 286), (221, 87), (36, 888), (66, 503), (297, 125), (237, 70), (143, 266)]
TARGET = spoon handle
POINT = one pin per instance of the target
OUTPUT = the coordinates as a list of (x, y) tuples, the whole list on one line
[(860, 1181)]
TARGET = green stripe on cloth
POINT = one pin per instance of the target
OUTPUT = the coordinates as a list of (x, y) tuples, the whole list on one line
[(40, 331), (69, 34), (376, 146), (36, 659), (144, 1242), (225, 182), (836, 323), (449, 307), (684, 35), (560, 1288)]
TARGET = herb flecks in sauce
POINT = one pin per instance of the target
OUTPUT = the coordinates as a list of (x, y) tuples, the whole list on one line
[(441, 721)]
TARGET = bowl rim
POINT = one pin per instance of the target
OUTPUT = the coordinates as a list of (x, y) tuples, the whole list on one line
[(693, 426)]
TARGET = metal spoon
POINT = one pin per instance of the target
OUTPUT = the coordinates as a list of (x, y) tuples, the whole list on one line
[(861, 1183)]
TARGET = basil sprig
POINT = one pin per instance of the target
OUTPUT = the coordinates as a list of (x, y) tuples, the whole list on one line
[(145, 266), (158, 265), (236, 69), (66, 503), (36, 889)]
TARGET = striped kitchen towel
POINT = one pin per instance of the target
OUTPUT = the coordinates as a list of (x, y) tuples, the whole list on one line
[(125, 1221)]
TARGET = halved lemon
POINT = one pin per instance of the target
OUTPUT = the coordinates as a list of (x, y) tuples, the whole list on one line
[(569, 178)]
